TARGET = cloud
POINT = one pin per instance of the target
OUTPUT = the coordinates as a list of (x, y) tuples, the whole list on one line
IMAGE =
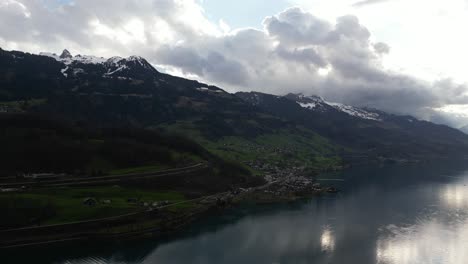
[(381, 48), (295, 26), (368, 2), (105, 26), (289, 54), (213, 65)]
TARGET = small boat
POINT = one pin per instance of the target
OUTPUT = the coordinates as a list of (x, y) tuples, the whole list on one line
[(332, 190)]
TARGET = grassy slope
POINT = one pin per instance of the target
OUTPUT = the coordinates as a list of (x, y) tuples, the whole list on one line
[(23, 105), (32, 144), (63, 205), (300, 147)]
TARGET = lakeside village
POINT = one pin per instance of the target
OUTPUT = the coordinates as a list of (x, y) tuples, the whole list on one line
[(283, 184), (152, 217)]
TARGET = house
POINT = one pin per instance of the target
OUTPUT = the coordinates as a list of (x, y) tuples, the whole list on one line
[(132, 200), (90, 201)]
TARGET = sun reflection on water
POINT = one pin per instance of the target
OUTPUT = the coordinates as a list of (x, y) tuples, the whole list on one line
[(327, 240), (455, 195), (427, 242), (440, 237)]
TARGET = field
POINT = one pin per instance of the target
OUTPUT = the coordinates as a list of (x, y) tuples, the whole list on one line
[(20, 106), (64, 205)]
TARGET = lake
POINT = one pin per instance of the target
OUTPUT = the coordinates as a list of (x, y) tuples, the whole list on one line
[(392, 214)]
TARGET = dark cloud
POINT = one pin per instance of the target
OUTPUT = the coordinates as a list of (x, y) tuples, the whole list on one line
[(213, 66), (306, 56)]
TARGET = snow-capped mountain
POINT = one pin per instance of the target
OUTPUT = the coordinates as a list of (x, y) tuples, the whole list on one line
[(313, 104), (363, 129), (130, 92), (112, 67), (67, 58), (316, 103)]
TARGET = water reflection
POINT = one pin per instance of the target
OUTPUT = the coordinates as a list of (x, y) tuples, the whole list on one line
[(327, 240), (431, 242), (455, 195), (439, 235), (275, 238)]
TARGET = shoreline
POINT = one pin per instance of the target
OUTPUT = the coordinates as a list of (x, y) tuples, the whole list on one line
[(151, 223)]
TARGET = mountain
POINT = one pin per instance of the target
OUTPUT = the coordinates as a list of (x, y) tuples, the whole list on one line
[(32, 144), (222, 122), (464, 129), (133, 67), (316, 103), (290, 130), (66, 54), (119, 92), (369, 132)]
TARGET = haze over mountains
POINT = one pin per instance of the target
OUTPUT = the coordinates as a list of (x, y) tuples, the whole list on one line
[(129, 92)]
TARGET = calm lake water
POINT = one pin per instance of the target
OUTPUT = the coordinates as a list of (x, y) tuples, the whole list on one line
[(395, 215)]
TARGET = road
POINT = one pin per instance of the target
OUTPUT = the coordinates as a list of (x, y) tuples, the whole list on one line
[(103, 180)]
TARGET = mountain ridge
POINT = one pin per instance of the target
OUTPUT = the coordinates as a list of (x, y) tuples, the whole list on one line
[(130, 92), (464, 129), (402, 137), (114, 66)]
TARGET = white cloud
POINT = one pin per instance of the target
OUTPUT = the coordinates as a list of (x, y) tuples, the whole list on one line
[(425, 35), (224, 26), (86, 26)]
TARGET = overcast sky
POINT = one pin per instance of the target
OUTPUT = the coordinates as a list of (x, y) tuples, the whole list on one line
[(402, 56)]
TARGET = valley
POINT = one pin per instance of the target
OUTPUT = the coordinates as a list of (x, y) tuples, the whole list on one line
[(125, 138)]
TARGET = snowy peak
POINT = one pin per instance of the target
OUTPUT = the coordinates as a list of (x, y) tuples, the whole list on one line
[(65, 54), (131, 67), (356, 111), (135, 61), (316, 103), (67, 59), (119, 65), (310, 102), (85, 59)]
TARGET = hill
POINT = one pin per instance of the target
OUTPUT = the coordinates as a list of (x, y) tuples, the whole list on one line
[(291, 130), (368, 133)]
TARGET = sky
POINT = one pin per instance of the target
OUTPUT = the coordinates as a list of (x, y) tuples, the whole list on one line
[(400, 56)]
